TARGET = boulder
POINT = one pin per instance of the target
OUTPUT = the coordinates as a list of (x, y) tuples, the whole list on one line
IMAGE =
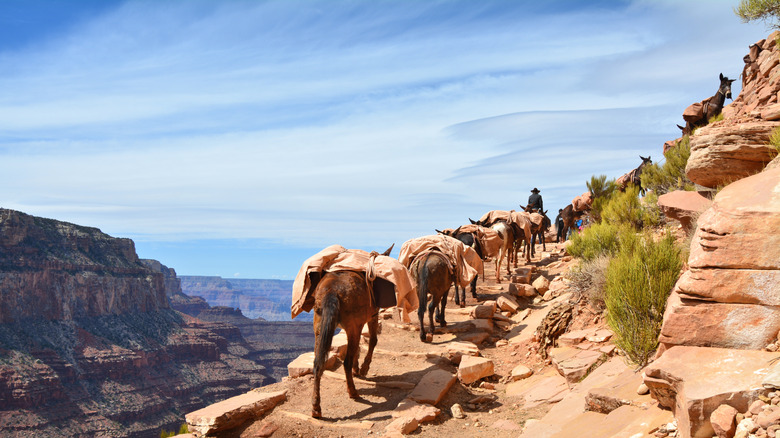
[(522, 290), (474, 368), (695, 381), (725, 152), (730, 296), (683, 206), (520, 372), (304, 364), (723, 421), (433, 387), (507, 303), (574, 364), (541, 284), (233, 412)]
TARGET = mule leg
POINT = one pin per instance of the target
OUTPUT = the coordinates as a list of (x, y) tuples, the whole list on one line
[(431, 307), (442, 321), (473, 290), (421, 315), (353, 347), (316, 409), (373, 325), (457, 297)]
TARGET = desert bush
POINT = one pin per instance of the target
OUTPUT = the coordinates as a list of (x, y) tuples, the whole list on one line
[(602, 189), (639, 280), (589, 278), (596, 240), (624, 208), (671, 175), (774, 140)]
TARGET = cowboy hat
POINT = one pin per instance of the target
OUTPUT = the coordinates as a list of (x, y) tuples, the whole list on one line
[(535, 190)]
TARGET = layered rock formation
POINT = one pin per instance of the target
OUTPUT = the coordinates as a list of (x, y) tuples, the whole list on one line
[(266, 299), (736, 147), (730, 297), (89, 345)]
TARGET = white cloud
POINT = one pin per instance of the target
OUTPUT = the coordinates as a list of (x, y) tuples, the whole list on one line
[(313, 123)]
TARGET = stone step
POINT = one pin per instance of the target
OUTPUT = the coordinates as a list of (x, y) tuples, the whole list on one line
[(624, 422), (233, 412), (619, 392), (304, 364), (433, 387), (574, 364)]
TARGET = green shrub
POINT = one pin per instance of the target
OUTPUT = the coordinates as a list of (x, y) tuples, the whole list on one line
[(596, 240), (624, 208), (716, 118), (671, 175), (602, 189), (774, 140), (639, 281)]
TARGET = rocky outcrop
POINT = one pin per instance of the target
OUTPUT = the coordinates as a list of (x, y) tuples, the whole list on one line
[(60, 271), (683, 206), (736, 147), (89, 345), (730, 150), (191, 305), (730, 296)]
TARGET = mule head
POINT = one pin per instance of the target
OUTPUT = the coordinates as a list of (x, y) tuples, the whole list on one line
[(646, 160), (725, 86), (387, 251), (686, 130)]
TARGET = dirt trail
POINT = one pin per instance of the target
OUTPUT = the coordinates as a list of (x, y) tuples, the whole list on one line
[(401, 357)]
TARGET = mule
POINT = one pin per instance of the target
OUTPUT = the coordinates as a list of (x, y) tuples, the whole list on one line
[(633, 177), (468, 239), (343, 299), (506, 233), (569, 217), (710, 107), (432, 272), (539, 232)]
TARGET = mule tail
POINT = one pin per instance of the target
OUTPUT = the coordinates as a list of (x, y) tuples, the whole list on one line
[(422, 293), (328, 323)]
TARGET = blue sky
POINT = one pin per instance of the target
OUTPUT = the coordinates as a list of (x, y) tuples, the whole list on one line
[(237, 138)]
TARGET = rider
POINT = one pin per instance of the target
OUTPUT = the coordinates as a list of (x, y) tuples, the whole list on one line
[(535, 202)]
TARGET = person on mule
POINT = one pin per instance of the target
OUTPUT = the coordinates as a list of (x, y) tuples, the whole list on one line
[(535, 203)]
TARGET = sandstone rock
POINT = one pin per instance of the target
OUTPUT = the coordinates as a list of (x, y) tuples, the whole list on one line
[(520, 372), (419, 411), (505, 425), (456, 350), (621, 391), (723, 421), (696, 380), (683, 206), (474, 368), (339, 345), (304, 364), (573, 363), (433, 387), (507, 303), (233, 412), (402, 426), (574, 337), (730, 296), (522, 275), (457, 411), (483, 311), (485, 325), (476, 337), (723, 153), (522, 290), (541, 284)]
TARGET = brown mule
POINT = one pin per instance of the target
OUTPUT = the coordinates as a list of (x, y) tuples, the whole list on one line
[(433, 276), (343, 298)]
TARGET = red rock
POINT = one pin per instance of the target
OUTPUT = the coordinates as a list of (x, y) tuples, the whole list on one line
[(473, 368), (730, 296), (683, 206), (694, 381), (573, 363), (541, 284), (723, 153), (723, 421), (233, 412), (433, 387)]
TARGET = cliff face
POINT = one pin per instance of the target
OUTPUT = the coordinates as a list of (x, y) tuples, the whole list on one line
[(60, 271), (89, 345)]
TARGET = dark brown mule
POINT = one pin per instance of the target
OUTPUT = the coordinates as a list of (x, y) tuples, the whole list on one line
[(634, 177), (538, 231), (707, 108), (433, 276), (470, 240), (342, 298), (569, 216)]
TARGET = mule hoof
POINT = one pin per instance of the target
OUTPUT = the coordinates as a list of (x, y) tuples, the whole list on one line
[(316, 413), (462, 305), (428, 337)]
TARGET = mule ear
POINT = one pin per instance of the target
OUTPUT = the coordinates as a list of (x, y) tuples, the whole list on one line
[(387, 251), (681, 128), (438, 231), (457, 230), (721, 76), (731, 80), (473, 221)]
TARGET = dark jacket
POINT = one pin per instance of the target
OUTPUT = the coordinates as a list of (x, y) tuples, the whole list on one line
[(535, 202)]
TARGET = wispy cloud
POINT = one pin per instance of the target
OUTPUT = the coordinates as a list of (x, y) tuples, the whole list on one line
[(309, 123)]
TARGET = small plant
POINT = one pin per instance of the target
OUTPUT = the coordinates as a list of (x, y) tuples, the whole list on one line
[(671, 175), (774, 140), (624, 208), (716, 118), (596, 240), (602, 189), (589, 278), (639, 281)]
